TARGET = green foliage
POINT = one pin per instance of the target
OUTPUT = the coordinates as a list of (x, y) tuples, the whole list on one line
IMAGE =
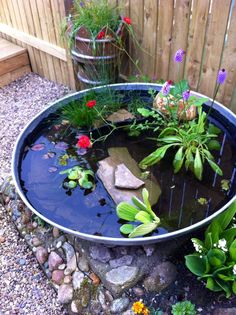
[(79, 115), (94, 15), (214, 260), (184, 308), (192, 141), (140, 211), (78, 176)]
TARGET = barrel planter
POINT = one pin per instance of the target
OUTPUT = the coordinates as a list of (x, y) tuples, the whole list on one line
[(97, 60), (38, 181)]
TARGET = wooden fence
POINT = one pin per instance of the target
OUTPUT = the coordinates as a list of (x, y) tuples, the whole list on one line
[(205, 29), (36, 25)]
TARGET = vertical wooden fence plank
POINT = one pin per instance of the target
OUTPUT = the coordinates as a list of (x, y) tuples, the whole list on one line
[(38, 33), (136, 15), (214, 45), (44, 30), (163, 39), (179, 38), (196, 40), (229, 63), (149, 36)]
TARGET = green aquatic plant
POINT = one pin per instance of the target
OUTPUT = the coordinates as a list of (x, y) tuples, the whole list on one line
[(193, 141), (214, 259), (140, 211), (78, 176), (184, 308)]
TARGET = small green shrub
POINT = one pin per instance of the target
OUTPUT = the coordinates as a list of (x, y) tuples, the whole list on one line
[(184, 308), (214, 260)]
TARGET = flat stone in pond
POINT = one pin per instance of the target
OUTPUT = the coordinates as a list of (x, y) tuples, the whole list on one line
[(125, 179), (120, 115), (106, 172)]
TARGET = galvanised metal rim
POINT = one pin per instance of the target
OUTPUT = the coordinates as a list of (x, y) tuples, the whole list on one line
[(75, 55), (105, 239)]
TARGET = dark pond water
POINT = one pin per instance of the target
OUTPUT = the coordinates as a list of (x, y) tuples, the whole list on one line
[(93, 212)]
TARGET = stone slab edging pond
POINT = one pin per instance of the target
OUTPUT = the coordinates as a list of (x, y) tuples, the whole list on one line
[(92, 278)]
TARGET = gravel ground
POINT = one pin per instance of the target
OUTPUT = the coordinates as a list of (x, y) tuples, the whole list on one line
[(24, 289)]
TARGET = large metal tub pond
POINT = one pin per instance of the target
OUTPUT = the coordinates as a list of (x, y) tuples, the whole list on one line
[(83, 216)]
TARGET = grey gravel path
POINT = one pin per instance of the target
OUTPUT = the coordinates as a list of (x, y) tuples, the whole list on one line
[(24, 289)]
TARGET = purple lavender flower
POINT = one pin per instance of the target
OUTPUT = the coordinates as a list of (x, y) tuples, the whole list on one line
[(179, 55), (221, 76), (81, 3), (166, 88), (186, 95)]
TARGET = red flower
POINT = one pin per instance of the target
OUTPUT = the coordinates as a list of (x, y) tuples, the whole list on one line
[(84, 142), (101, 35), (91, 104), (127, 20)]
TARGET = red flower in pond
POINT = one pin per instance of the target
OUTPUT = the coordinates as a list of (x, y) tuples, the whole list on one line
[(84, 142), (127, 20), (91, 104), (101, 35)]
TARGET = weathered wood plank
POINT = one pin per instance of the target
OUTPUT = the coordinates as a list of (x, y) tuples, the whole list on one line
[(215, 38), (196, 40), (179, 38), (149, 36), (229, 63), (163, 41)]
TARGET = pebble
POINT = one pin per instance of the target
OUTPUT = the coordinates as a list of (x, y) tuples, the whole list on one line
[(65, 293), (57, 276), (22, 261), (55, 232), (54, 260), (2, 239), (62, 267), (71, 266), (83, 264), (59, 244), (78, 278), (138, 291), (122, 276), (41, 254), (67, 279), (69, 251), (36, 241), (95, 279), (74, 307), (119, 305)]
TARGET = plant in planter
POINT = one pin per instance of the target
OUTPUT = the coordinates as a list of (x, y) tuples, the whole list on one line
[(96, 36)]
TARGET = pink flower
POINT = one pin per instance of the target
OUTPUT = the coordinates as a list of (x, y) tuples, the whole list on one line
[(91, 104), (84, 142), (101, 35), (166, 88), (127, 20)]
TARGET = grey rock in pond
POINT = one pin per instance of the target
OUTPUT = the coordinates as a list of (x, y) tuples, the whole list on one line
[(41, 254), (54, 260), (69, 251), (123, 276), (125, 179), (78, 278), (65, 293), (100, 253), (119, 305), (106, 172), (161, 277), (225, 311), (122, 261), (120, 115)]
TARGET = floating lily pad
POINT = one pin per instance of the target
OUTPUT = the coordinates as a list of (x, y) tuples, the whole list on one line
[(38, 147), (63, 160), (52, 169), (48, 155), (61, 145)]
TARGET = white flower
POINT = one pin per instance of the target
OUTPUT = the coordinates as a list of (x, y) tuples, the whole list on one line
[(222, 244), (197, 246), (234, 269)]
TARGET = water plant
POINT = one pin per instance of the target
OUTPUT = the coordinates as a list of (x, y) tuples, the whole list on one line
[(78, 176), (140, 211), (214, 259), (184, 308)]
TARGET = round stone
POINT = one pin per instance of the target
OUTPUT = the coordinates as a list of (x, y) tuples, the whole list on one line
[(119, 305), (41, 254), (65, 293)]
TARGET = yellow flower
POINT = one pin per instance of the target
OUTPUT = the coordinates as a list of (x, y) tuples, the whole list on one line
[(145, 311), (138, 307)]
